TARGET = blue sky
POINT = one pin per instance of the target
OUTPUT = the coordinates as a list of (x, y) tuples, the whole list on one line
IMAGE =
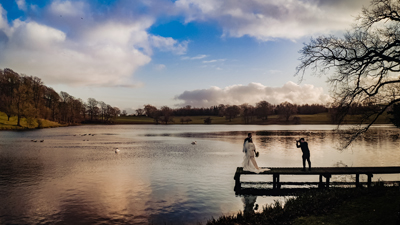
[(198, 52)]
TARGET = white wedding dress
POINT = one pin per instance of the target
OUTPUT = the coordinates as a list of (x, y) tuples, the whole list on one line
[(249, 160)]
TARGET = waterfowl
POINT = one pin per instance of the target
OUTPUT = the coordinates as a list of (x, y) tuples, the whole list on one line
[(116, 150), (194, 142)]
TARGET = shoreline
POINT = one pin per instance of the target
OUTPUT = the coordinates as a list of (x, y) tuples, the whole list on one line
[(314, 119)]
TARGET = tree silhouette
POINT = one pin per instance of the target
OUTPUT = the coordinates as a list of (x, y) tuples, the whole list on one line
[(231, 112), (166, 113), (150, 110), (395, 112), (286, 110), (263, 109)]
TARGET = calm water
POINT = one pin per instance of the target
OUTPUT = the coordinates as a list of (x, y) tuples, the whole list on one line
[(158, 177)]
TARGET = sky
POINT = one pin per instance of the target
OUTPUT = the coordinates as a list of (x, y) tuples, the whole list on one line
[(172, 52)]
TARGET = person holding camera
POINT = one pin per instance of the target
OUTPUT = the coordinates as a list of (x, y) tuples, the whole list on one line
[(306, 153)]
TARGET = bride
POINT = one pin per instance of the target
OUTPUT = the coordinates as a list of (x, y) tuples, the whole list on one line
[(249, 161)]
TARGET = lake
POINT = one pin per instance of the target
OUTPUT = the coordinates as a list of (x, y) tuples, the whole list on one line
[(159, 177)]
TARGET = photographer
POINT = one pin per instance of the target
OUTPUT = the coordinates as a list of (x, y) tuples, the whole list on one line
[(306, 153)]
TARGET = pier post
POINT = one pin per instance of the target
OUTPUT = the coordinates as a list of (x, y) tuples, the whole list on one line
[(320, 184), (238, 185), (275, 181), (370, 175), (328, 177), (357, 180), (278, 185)]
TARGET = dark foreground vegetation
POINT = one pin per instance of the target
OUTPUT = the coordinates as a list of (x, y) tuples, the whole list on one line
[(376, 205)]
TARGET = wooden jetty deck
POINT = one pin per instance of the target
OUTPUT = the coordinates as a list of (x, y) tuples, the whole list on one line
[(325, 172)]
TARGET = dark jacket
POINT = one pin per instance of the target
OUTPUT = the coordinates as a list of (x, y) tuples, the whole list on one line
[(304, 148)]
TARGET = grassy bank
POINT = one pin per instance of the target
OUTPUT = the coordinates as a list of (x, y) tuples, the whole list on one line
[(377, 205), (12, 124), (320, 118)]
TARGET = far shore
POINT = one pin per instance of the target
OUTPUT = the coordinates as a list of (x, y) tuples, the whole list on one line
[(320, 118)]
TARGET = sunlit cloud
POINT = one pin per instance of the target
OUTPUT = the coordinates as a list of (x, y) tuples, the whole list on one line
[(253, 93), (267, 20)]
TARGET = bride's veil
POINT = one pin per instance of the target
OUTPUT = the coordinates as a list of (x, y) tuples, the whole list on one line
[(245, 146)]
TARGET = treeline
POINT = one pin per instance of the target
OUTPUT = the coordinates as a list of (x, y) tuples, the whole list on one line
[(249, 113), (253, 113), (27, 97)]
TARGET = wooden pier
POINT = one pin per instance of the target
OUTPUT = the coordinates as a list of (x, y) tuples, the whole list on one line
[(322, 172)]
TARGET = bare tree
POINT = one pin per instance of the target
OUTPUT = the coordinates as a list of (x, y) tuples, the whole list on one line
[(9, 82), (231, 112), (166, 114), (150, 110), (140, 112), (92, 108), (366, 62), (21, 102), (247, 112), (263, 109), (286, 110), (156, 115)]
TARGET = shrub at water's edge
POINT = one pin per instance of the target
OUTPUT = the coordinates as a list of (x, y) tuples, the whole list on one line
[(376, 205)]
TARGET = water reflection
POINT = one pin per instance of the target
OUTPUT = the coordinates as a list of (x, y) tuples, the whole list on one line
[(158, 176), (249, 203)]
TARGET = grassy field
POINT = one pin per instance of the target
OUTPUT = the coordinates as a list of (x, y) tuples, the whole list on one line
[(12, 124), (363, 206), (320, 118)]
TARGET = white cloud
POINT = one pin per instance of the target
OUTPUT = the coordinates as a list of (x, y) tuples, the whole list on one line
[(21, 5), (253, 93), (194, 57), (95, 50), (160, 67), (266, 20), (210, 61), (67, 8), (213, 61), (169, 44), (199, 57), (3, 19)]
